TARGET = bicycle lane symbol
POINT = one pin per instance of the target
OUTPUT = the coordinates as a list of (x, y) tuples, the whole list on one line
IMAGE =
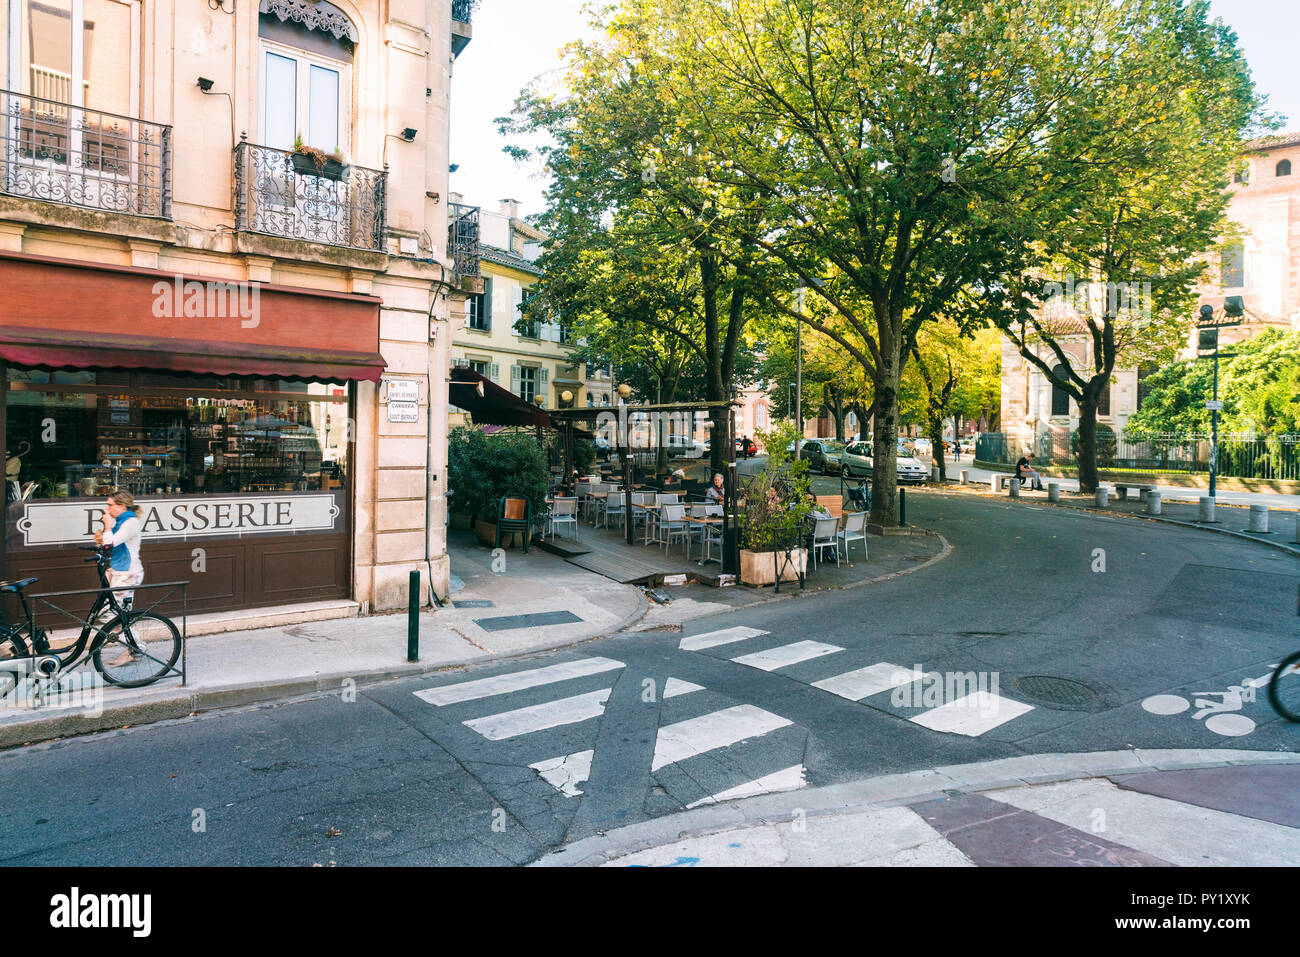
[(1220, 716)]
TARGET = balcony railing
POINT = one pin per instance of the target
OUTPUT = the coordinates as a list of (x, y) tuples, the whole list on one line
[(462, 238), (463, 10), (53, 151), (287, 194)]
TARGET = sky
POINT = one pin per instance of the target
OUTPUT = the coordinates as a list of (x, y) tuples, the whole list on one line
[(517, 42)]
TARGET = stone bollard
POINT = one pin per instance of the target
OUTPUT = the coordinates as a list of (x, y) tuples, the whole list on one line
[(993, 483), (1207, 508), (934, 474), (1053, 491), (1013, 488), (1258, 518), (1153, 502), (1102, 497), (965, 476)]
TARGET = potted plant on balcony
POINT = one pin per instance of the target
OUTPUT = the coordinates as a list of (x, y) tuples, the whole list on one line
[(316, 162), (773, 508)]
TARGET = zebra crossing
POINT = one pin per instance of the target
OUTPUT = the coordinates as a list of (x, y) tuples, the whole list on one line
[(965, 710), (694, 741)]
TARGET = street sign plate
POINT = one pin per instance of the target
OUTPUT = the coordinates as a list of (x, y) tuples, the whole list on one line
[(1214, 405), (403, 411)]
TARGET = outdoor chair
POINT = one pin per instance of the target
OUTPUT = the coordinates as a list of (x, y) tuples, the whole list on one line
[(670, 498), (615, 506), (824, 536), (564, 511), (514, 515), (854, 530), (672, 521)]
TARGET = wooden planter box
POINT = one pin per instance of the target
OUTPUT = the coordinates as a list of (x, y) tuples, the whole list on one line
[(331, 169), (759, 568)]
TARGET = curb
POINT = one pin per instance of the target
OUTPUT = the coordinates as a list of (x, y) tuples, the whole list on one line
[(892, 790), (1290, 549), (184, 705)]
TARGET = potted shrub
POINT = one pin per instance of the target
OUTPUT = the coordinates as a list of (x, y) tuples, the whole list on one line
[(316, 162), (773, 508), (482, 468)]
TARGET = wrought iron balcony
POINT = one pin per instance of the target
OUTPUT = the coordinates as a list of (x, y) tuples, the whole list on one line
[(463, 10), (53, 151), (462, 238), (461, 33), (286, 194)]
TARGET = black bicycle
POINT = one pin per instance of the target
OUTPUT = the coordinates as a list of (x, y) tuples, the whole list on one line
[(1284, 689), (129, 648)]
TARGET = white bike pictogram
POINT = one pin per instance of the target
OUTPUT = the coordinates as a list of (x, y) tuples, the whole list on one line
[(1220, 716)]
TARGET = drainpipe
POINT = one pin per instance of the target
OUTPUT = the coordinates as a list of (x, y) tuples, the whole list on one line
[(443, 287)]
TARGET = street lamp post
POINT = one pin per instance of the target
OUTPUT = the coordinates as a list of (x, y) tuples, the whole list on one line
[(1208, 342), (798, 372)]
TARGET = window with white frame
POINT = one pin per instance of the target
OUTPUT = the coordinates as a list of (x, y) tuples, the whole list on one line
[(305, 64)]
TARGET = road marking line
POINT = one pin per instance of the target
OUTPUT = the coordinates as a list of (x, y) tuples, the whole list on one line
[(972, 715), (539, 717), (787, 779), (711, 639), (516, 681), (786, 655), (711, 731), (566, 773), (675, 686), (864, 682)]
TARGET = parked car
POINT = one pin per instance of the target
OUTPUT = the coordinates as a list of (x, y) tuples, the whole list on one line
[(856, 461), (823, 455), (683, 446), (752, 446)]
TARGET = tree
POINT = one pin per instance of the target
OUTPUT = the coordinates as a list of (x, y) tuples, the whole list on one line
[(1134, 189)]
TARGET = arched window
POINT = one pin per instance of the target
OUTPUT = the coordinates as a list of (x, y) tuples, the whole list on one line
[(1103, 400), (1284, 168), (1232, 267), (306, 74), (1060, 398), (760, 416)]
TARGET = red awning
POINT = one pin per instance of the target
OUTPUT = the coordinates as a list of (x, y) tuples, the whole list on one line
[(497, 406), (66, 349)]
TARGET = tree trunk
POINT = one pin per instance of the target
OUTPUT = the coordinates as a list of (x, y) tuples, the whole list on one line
[(1088, 479), (884, 459), (936, 450)]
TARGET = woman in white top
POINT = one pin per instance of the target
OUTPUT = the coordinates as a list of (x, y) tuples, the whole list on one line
[(122, 530)]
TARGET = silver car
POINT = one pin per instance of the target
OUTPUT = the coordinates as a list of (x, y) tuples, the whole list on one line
[(856, 461)]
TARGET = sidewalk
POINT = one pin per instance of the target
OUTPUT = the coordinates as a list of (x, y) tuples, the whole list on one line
[(535, 602), (1117, 808)]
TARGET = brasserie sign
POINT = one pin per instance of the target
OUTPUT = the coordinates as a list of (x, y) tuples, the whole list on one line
[(69, 523)]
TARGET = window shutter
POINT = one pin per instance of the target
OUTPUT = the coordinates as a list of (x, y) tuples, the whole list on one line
[(542, 374), (487, 306), (518, 303), (494, 372), (514, 379)]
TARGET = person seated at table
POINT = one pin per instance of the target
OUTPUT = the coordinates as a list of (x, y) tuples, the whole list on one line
[(716, 493)]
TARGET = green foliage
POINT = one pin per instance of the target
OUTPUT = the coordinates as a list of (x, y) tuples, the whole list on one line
[(775, 502), (482, 468), (584, 456)]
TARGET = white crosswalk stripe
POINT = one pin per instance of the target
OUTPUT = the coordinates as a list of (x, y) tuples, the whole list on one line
[(516, 681), (676, 686), (786, 655), (566, 773), (864, 682), (787, 779), (712, 639), (719, 729), (539, 717), (973, 714)]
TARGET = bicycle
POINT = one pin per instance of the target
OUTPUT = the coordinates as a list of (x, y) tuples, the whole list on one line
[(129, 648), (1285, 696)]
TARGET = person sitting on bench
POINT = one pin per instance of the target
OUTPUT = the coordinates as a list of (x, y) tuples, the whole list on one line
[(1025, 472)]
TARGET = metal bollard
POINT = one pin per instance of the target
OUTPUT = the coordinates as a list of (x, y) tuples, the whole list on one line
[(1102, 497), (1013, 488), (1258, 518), (413, 618), (902, 507), (1053, 491), (1153, 502), (1207, 508)]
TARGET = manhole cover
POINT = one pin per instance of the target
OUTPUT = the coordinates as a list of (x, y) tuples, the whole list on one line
[(1059, 692)]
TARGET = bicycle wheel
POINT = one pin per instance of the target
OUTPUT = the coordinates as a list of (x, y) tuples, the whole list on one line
[(138, 653), (1284, 689)]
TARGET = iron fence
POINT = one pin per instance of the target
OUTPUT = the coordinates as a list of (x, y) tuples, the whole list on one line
[(292, 195), (463, 238), (1240, 455), (60, 153)]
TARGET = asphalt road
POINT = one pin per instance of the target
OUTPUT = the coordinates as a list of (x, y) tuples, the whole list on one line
[(1115, 621)]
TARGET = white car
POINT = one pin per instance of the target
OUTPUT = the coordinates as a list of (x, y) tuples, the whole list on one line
[(856, 461), (911, 470)]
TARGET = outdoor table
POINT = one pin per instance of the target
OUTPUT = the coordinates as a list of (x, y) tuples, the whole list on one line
[(708, 541)]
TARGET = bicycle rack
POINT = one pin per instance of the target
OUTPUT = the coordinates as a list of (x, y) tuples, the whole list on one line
[(80, 620)]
